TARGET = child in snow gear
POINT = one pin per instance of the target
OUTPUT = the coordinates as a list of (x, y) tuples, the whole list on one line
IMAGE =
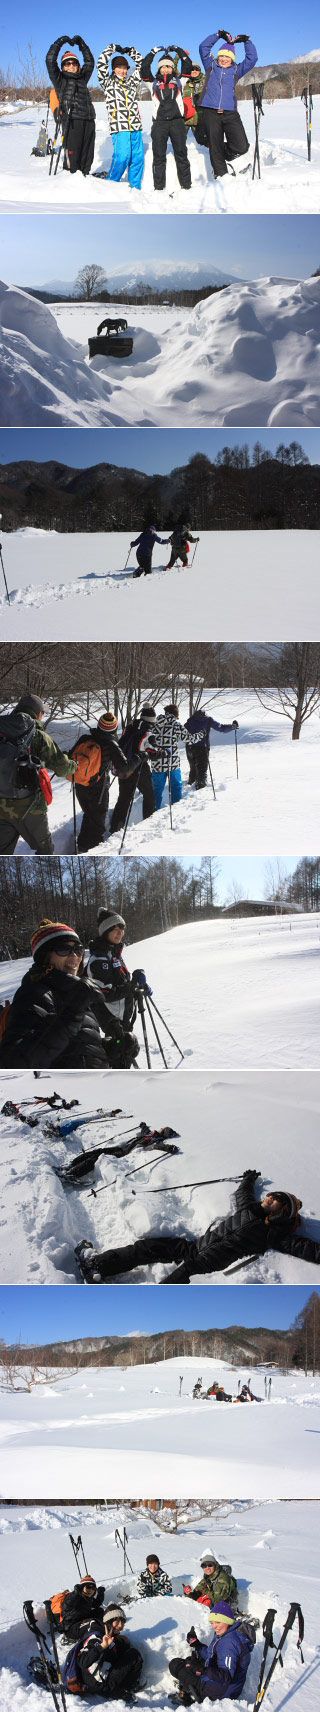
[(198, 757), (219, 1670), (70, 81), (166, 760), (136, 743), (216, 1583), (79, 1608), (180, 544), (107, 969), (153, 1580), (223, 128), (168, 115), (121, 86), (145, 544), (58, 1017), (107, 1666), (98, 755), (271, 1224), (26, 752)]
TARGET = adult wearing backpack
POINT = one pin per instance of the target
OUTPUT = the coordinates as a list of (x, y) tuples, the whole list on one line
[(70, 81), (107, 1666), (198, 754), (216, 1583), (84, 1603), (97, 754), (136, 743), (26, 751), (58, 1018), (218, 1671), (106, 967)]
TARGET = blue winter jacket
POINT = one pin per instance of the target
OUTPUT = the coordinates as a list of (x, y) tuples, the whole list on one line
[(225, 1663), (220, 86), (204, 724), (147, 540)]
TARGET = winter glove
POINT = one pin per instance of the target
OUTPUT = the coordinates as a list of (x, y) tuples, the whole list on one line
[(226, 35), (242, 39), (235, 724), (140, 980), (130, 1051), (192, 1638)]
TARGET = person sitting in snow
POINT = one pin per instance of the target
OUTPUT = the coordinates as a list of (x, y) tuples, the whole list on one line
[(198, 755), (216, 1583), (168, 114), (255, 1226), (70, 81), (80, 1607), (153, 1580), (218, 1671), (109, 1666), (106, 968), (223, 129), (120, 87), (145, 544), (58, 1018)]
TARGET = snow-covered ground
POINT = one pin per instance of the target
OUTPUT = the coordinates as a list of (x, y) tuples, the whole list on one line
[(73, 1438), (75, 587), (225, 1124), (262, 1541), (234, 993), (249, 355), (269, 807), (288, 180)]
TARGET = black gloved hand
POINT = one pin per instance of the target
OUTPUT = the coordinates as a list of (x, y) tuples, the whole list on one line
[(242, 39), (226, 35), (192, 1637), (119, 49), (235, 724)]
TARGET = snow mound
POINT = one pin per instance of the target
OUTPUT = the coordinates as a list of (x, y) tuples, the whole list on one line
[(43, 376)]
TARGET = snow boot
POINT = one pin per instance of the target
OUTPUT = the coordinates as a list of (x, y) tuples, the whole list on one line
[(88, 1264)]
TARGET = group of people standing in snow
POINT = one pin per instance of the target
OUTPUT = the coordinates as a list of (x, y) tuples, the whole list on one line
[(185, 95), (142, 758)]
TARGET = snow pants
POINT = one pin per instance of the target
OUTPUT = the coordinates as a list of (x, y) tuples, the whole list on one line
[(126, 794), (226, 138), (26, 820), (128, 153), (159, 780), (94, 800), (144, 561), (162, 131), (188, 1674), (178, 553), (80, 140), (198, 765), (122, 1678)]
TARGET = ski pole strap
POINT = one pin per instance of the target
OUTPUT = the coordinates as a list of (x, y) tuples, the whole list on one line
[(31, 1621)]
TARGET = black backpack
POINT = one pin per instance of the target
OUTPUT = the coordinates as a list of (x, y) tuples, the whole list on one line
[(19, 773)]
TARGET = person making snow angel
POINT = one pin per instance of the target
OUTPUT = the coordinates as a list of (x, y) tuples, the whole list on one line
[(78, 120), (120, 86), (168, 115), (255, 1227), (224, 132)]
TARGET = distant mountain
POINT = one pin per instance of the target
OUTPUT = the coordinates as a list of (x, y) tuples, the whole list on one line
[(300, 59), (106, 497), (191, 273), (235, 1344)]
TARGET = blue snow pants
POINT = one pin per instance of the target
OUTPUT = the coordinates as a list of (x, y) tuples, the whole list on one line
[(159, 780), (128, 152)]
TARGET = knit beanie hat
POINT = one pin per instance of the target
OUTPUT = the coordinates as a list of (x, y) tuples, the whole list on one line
[(114, 1611), (88, 1581), (166, 59), (222, 1610), (226, 49), (108, 722), (152, 1558), (208, 1557), (53, 936), (29, 704), (70, 55), (148, 711), (108, 918), (120, 59), (290, 1206)]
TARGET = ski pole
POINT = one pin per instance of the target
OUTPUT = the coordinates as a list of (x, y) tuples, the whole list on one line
[(4, 576), (194, 555), (127, 560), (211, 777), (257, 97), (32, 1625), (293, 1613), (140, 1005), (74, 818), (236, 744), (156, 1032), (64, 140), (267, 1632), (77, 1547), (246, 1262), (195, 1185), (166, 1026), (123, 1544), (130, 806), (48, 1610), (56, 134)]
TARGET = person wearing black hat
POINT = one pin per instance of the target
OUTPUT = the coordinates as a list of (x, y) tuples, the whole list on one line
[(168, 114), (257, 1227), (106, 967), (80, 1607), (137, 744), (58, 1018), (98, 756), (153, 1580), (26, 752), (70, 81), (110, 1667)]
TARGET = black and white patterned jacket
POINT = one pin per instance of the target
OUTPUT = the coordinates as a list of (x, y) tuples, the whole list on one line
[(121, 95), (163, 746), (148, 1586)]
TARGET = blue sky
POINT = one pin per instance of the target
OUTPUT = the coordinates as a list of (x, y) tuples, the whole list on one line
[(81, 447), (38, 248), (280, 32), (249, 872), (43, 1313)]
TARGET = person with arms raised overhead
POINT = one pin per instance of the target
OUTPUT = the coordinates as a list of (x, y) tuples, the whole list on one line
[(70, 81), (221, 124)]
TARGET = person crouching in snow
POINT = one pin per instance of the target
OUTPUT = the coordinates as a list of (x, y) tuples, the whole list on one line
[(168, 117), (218, 1671), (153, 1580), (225, 133), (216, 1583), (145, 544), (120, 86), (78, 119)]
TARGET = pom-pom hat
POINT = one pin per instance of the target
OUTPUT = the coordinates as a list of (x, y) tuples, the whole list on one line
[(54, 937)]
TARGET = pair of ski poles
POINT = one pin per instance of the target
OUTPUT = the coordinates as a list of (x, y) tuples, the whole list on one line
[(145, 1003), (191, 561), (64, 139), (308, 101), (3, 570), (257, 97)]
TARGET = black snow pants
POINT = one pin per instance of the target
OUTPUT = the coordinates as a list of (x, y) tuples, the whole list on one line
[(126, 793), (163, 130), (94, 800), (122, 1679), (188, 1674), (146, 1252), (80, 139), (144, 561), (226, 138), (198, 765)]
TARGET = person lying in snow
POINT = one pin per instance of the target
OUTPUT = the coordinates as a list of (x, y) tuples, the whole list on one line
[(121, 85), (255, 1227), (168, 114), (216, 1583), (221, 126), (218, 1671), (107, 1666), (70, 81), (153, 1580)]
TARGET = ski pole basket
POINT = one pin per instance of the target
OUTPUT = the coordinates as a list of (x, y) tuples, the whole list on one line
[(111, 343)]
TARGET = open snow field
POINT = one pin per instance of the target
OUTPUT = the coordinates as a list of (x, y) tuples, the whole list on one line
[(75, 587), (248, 355), (73, 1437), (273, 1550), (268, 808), (225, 1124), (234, 993), (288, 180)]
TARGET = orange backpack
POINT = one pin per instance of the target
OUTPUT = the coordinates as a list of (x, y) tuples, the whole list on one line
[(89, 760), (54, 101), (57, 1604)]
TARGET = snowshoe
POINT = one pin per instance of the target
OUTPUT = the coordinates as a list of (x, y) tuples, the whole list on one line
[(36, 1671), (182, 1700), (110, 344), (88, 1264)]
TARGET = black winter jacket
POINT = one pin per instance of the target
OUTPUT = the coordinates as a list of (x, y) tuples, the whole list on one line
[(55, 1019), (79, 1611), (247, 1231), (72, 91), (107, 969)]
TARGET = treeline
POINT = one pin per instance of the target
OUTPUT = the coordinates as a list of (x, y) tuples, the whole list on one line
[(298, 1347), (233, 491)]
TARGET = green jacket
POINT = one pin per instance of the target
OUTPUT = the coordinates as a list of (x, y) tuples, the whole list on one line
[(47, 751), (221, 1586), (194, 89)]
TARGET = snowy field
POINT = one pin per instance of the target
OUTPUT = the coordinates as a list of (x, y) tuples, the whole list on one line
[(275, 798), (262, 1541), (75, 587), (288, 180), (234, 993), (249, 355), (225, 1124), (72, 1438)]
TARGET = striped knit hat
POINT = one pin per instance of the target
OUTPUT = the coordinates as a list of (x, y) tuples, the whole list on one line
[(113, 1611), (108, 918), (53, 936), (108, 722)]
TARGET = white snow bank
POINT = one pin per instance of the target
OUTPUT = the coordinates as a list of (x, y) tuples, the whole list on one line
[(43, 377)]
